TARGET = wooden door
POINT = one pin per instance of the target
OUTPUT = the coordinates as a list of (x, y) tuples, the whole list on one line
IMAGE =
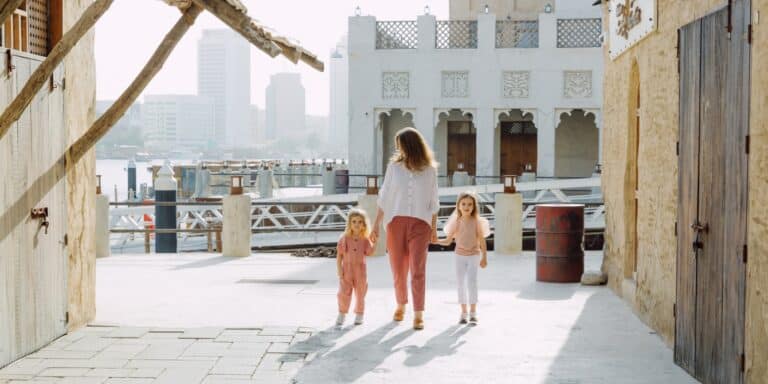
[(714, 102), (462, 144), (33, 258), (518, 147)]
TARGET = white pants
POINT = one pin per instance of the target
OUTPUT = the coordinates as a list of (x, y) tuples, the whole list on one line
[(466, 277)]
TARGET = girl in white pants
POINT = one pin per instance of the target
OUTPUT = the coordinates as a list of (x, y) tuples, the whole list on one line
[(469, 230)]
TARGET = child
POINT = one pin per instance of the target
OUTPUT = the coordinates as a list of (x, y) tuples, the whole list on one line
[(351, 251), (469, 230)]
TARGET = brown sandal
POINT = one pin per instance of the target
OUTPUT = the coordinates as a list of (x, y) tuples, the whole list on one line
[(418, 324), (399, 314)]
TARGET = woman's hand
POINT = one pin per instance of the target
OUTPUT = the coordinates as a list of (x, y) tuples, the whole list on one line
[(484, 262), (433, 239), (374, 236)]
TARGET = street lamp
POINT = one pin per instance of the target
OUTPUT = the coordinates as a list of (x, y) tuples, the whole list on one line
[(426, 9), (357, 11), (509, 184), (548, 8), (372, 185), (486, 8), (237, 185)]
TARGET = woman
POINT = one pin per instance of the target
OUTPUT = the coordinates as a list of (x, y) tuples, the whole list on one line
[(408, 206)]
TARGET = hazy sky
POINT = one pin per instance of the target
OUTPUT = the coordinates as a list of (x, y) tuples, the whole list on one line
[(129, 32)]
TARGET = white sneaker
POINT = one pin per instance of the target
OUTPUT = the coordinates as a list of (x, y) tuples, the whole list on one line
[(340, 319), (473, 318), (358, 319), (463, 318)]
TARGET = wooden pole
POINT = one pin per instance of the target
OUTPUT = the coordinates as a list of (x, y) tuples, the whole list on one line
[(101, 126), (7, 7), (46, 68)]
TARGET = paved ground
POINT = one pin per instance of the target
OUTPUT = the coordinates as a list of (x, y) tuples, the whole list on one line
[(268, 318)]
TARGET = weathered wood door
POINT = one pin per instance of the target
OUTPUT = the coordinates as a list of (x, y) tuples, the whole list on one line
[(462, 144), (711, 254), (518, 147), (33, 258)]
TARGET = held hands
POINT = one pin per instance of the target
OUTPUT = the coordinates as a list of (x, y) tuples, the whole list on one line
[(433, 238), (374, 236)]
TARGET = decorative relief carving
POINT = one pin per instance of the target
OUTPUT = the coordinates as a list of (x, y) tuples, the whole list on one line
[(395, 85), (516, 83), (455, 83), (577, 84)]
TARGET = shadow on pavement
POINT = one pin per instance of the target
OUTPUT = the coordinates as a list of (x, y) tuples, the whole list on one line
[(353, 360), (206, 262), (444, 344)]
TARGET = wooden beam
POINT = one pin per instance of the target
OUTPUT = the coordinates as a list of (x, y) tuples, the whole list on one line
[(7, 7), (43, 72), (101, 126)]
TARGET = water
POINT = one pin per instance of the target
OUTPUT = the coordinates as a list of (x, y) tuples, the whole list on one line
[(115, 173)]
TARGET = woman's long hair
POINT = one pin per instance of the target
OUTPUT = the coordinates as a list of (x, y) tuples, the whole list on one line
[(412, 150)]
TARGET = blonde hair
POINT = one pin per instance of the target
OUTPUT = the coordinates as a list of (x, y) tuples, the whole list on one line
[(412, 150), (476, 204), (366, 223)]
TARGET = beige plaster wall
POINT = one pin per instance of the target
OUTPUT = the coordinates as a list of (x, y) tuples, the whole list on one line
[(653, 293), (79, 101)]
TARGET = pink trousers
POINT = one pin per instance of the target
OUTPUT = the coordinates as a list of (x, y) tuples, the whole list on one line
[(354, 278), (407, 245)]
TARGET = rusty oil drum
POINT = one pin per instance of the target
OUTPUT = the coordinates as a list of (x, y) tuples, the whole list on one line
[(559, 242)]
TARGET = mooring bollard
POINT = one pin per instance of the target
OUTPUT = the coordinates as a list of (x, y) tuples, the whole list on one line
[(165, 216), (236, 230), (102, 222), (265, 179), (508, 234), (131, 178), (367, 202), (329, 180)]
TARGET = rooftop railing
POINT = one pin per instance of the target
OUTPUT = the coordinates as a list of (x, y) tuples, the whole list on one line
[(397, 35), (453, 34), (517, 34)]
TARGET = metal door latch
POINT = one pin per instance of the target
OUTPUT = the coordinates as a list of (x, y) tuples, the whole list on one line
[(42, 215)]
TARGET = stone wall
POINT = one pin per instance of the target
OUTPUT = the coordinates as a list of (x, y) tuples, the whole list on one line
[(652, 292), (79, 102)]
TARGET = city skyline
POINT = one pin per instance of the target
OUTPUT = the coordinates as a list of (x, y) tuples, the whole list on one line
[(117, 63)]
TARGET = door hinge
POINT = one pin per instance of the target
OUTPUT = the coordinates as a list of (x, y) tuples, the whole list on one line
[(749, 34), (674, 310), (746, 144), (66, 240), (675, 228), (744, 253), (742, 362), (66, 317), (677, 148)]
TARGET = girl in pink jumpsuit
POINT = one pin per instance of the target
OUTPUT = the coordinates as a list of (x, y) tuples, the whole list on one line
[(351, 251)]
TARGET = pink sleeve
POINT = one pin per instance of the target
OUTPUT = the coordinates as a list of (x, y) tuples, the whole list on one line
[(483, 227), (452, 224), (341, 246)]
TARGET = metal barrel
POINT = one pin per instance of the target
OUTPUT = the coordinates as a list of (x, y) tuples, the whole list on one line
[(559, 242), (342, 181)]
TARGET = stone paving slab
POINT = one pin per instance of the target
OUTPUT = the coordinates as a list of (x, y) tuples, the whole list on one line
[(530, 333)]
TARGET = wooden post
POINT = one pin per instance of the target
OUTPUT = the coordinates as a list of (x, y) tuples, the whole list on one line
[(101, 126), (46, 68), (146, 242)]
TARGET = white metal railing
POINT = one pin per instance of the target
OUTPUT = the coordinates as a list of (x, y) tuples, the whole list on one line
[(517, 34), (455, 34), (397, 35), (579, 33)]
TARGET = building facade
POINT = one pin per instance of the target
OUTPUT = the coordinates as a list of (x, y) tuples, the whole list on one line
[(224, 76), (286, 107), (178, 122), (338, 130), (685, 179), (493, 94)]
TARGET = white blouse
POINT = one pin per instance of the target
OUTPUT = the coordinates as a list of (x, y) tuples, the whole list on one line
[(406, 193)]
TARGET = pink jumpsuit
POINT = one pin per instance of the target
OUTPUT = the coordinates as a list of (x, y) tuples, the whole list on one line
[(354, 273)]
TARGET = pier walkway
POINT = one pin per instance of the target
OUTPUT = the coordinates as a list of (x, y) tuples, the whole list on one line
[(268, 318)]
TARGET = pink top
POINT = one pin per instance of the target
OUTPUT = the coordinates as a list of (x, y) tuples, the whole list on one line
[(355, 249), (467, 233)]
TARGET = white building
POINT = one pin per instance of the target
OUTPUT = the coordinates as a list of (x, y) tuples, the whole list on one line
[(338, 113), (224, 75), (286, 107), (493, 95), (178, 122)]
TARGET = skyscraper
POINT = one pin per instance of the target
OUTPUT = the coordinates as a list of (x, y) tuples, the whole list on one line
[(224, 76), (286, 107), (338, 129)]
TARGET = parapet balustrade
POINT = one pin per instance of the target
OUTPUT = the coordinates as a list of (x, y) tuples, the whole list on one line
[(559, 32)]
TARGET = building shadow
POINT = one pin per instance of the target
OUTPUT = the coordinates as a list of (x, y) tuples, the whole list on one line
[(353, 360), (444, 344)]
